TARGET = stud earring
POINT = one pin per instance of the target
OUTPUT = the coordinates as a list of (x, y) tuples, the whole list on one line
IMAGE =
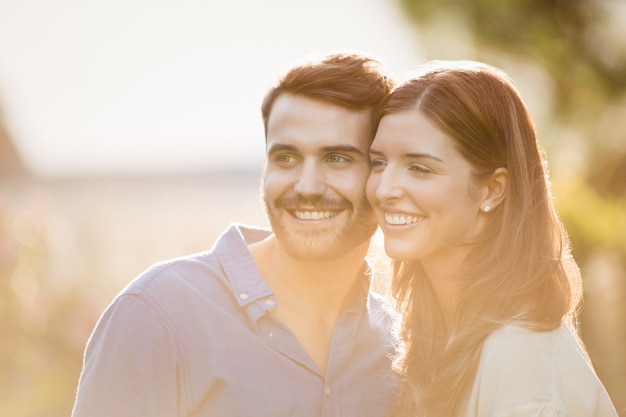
[(486, 208)]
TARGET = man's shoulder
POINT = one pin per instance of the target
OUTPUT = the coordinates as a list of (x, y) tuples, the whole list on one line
[(231, 244), (168, 275), (200, 271)]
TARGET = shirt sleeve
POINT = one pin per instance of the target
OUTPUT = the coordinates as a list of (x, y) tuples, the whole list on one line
[(130, 364)]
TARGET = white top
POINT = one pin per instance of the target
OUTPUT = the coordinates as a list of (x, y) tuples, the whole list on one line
[(523, 373)]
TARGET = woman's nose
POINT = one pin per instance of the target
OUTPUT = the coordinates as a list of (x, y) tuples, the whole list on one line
[(387, 185)]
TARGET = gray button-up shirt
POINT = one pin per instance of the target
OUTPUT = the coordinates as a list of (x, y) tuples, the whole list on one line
[(191, 337)]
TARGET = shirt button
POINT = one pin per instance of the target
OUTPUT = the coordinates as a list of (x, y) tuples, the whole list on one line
[(243, 296), (270, 303), (327, 391)]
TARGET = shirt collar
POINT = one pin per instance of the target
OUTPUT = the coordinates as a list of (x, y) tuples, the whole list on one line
[(249, 288)]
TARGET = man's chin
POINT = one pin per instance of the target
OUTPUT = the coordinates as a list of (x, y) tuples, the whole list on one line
[(320, 241), (312, 247), (313, 254)]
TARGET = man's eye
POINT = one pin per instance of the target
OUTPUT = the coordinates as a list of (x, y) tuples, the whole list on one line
[(337, 158), (285, 158)]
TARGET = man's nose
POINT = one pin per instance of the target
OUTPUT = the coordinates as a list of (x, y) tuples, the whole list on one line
[(311, 181)]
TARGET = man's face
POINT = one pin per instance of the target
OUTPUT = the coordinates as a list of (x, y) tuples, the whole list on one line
[(315, 174)]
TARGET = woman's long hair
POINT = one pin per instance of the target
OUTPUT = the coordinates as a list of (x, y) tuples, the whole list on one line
[(520, 270)]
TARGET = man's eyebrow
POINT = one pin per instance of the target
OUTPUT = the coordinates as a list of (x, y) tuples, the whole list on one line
[(345, 149), (279, 147)]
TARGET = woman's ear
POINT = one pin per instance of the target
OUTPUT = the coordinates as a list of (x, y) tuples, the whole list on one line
[(495, 189)]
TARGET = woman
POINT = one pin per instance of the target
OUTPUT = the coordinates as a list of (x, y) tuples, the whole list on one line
[(483, 272)]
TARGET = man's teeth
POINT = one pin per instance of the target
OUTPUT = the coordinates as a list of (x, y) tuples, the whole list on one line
[(314, 215), (400, 219)]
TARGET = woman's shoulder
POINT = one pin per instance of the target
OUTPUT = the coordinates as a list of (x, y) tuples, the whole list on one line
[(516, 357), (521, 367), (513, 348), (513, 339)]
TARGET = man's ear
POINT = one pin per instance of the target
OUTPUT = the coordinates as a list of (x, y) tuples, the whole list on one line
[(495, 189)]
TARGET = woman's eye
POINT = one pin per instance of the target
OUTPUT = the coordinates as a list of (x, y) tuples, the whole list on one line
[(421, 169), (377, 163)]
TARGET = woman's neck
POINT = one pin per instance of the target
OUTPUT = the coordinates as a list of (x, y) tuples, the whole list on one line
[(444, 275)]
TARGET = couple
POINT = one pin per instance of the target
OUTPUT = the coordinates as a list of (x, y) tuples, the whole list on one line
[(283, 322)]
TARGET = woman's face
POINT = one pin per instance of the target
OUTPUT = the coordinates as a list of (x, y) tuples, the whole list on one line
[(419, 188)]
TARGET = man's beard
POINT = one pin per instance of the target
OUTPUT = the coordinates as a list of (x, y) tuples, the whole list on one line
[(318, 242)]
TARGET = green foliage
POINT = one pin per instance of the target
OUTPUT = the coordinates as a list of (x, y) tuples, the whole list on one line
[(557, 33), (593, 221)]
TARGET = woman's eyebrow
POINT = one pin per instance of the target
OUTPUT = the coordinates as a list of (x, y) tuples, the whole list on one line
[(424, 155), (417, 155)]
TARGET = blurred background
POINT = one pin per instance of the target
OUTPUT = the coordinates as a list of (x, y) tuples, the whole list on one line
[(130, 132)]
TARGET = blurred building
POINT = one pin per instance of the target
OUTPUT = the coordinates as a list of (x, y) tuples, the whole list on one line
[(11, 164)]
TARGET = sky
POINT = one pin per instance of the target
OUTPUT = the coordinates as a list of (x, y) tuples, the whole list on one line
[(135, 86)]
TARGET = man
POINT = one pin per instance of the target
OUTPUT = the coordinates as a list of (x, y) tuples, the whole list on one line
[(267, 323)]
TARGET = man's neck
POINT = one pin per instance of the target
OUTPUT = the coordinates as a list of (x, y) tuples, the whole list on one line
[(322, 284), (310, 295)]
